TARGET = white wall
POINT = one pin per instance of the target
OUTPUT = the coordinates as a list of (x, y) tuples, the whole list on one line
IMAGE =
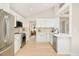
[(75, 29)]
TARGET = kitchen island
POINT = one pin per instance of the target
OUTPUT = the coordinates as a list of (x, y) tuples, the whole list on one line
[(62, 43)]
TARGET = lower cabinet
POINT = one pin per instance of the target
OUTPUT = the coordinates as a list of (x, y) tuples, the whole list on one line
[(62, 44), (50, 38), (41, 37), (17, 42), (44, 37)]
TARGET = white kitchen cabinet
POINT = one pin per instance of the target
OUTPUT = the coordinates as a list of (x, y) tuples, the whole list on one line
[(62, 44), (51, 38), (44, 37), (17, 42), (48, 37), (41, 37), (47, 22)]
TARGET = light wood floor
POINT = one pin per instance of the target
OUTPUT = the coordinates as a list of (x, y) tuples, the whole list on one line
[(33, 48), (36, 49)]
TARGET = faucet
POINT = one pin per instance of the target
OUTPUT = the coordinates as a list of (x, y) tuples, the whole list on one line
[(56, 31)]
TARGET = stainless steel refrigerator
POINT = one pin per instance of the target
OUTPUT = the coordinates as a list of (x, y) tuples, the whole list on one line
[(6, 34)]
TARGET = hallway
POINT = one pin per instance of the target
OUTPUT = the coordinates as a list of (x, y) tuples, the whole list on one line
[(36, 49)]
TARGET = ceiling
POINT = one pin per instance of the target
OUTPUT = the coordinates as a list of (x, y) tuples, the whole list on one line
[(30, 9)]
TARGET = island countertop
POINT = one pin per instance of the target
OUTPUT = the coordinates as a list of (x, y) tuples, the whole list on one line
[(61, 35)]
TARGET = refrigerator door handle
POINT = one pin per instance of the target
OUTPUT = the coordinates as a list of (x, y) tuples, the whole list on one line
[(5, 29)]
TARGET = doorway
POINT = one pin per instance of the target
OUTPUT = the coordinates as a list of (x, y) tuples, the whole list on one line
[(32, 31)]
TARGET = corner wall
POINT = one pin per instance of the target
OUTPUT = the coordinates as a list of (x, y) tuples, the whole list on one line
[(75, 29)]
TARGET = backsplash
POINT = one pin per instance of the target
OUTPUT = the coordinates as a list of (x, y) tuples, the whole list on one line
[(18, 30)]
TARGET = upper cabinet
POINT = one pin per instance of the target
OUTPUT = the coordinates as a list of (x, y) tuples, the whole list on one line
[(46, 22)]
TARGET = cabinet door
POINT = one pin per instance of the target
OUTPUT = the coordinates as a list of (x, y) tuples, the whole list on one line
[(45, 37), (15, 45), (48, 37), (41, 37), (51, 38), (64, 44), (17, 42)]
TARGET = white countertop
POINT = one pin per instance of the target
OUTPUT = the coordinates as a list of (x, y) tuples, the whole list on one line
[(62, 35)]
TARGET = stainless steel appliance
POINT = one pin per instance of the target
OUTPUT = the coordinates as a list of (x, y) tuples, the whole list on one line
[(55, 43), (23, 40), (6, 34)]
